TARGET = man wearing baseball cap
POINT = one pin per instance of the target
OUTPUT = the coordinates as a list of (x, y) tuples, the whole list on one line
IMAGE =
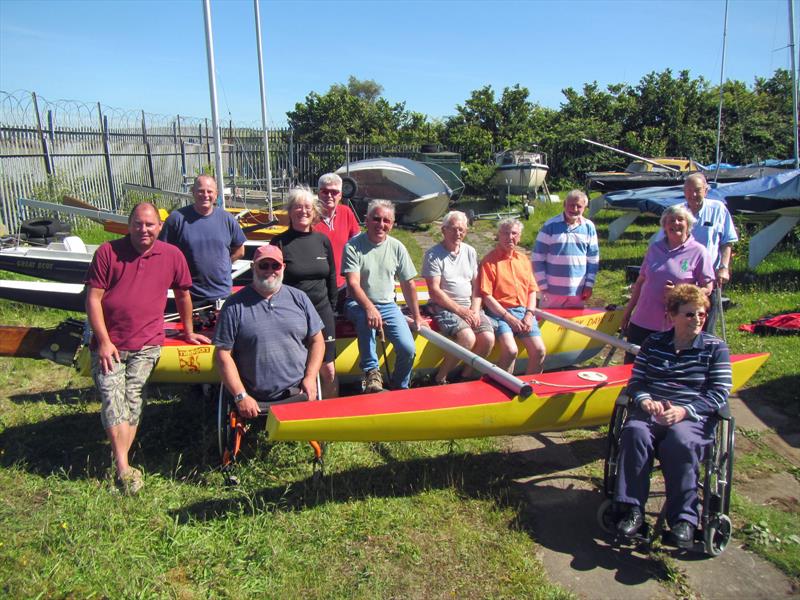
[(268, 338)]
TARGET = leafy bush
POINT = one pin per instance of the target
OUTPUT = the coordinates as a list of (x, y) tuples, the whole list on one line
[(477, 177)]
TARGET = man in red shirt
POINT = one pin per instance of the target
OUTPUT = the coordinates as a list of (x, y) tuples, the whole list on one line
[(126, 294), (337, 221)]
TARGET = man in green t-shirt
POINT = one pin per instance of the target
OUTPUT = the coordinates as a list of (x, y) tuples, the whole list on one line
[(371, 263)]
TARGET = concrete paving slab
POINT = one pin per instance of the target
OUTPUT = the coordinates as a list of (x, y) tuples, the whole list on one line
[(562, 506)]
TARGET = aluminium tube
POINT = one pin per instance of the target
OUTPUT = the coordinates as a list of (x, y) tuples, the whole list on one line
[(587, 331), (636, 156), (492, 371), (267, 168), (212, 90)]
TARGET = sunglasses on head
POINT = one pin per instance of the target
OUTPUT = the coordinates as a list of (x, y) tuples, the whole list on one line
[(691, 315), (266, 265)]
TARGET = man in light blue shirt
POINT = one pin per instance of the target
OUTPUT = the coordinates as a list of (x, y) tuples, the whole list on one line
[(566, 256), (714, 230)]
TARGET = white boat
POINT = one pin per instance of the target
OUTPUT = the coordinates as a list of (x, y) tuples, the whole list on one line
[(68, 261), (418, 193), (520, 172)]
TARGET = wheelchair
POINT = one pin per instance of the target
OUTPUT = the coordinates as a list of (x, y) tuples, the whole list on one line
[(231, 429), (714, 528)]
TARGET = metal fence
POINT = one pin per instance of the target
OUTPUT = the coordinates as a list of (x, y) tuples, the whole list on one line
[(91, 150)]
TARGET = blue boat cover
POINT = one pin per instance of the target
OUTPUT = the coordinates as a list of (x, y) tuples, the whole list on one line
[(781, 196), (655, 199)]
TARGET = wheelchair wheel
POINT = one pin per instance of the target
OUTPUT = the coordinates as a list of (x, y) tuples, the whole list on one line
[(224, 430), (611, 464), (717, 535), (605, 516), (718, 480)]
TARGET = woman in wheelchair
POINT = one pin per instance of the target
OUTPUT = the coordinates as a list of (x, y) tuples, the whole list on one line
[(680, 379)]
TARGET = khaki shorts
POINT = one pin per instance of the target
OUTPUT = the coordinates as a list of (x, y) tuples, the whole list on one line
[(121, 389)]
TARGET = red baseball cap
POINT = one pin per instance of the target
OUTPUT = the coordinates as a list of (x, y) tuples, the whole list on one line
[(268, 251)]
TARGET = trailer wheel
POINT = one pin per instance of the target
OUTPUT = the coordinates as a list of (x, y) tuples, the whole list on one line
[(349, 187)]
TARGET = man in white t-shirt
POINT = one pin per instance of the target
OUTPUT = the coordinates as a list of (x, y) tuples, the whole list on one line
[(451, 269)]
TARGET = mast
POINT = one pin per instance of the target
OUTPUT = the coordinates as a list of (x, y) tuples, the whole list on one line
[(722, 81), (212, 90), (794, 81), (267, 169)]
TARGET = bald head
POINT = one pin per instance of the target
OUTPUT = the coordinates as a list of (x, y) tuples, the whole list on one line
[(694, 190), (204, 191)]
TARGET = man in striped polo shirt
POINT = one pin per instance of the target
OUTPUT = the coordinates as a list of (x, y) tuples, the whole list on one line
[(566, 256)]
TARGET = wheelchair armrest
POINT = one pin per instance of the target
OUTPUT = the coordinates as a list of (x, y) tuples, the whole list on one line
[(724, 412), (263, 407), (624, 400)]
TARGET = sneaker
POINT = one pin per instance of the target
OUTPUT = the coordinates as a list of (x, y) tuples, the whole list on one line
[(130, 482), (373, 382)]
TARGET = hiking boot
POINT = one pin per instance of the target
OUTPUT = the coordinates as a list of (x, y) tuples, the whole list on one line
[(373, 382), (130, 482)]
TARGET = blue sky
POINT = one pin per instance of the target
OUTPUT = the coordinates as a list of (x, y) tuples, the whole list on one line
[(151, 54)]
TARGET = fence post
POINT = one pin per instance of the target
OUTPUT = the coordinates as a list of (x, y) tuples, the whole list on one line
[(51, 126), (291, 155), (107, 155), (183, 166), (48, 161), (149, 153)]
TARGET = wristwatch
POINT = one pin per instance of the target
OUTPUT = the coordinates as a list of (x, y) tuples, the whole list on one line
[(239, 397), (528, 310)]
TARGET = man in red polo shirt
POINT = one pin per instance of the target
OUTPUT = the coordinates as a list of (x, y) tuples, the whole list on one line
[(337, 221), (126, 294)]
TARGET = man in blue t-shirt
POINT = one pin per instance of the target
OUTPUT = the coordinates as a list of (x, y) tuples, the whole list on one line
[(268, 338), (210, 238)]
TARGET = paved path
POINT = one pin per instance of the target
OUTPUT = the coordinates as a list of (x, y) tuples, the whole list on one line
[(562, 503)]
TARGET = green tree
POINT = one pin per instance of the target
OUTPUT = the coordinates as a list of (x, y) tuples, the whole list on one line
[(356, 110)]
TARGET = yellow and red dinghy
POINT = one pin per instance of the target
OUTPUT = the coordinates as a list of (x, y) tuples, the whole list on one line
[(183, 363), (561, 400)]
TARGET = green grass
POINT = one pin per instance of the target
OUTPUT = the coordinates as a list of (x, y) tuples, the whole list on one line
[(417, 520)]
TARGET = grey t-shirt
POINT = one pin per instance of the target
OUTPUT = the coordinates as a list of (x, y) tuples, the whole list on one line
[(456, 271), (379, 266), (267, 338)]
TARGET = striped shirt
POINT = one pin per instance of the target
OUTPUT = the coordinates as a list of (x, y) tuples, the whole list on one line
[(698, 378), (566, 257)]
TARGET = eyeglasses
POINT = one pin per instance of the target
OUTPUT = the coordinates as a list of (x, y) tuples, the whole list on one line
[(269, 265), (324, 192), (377, 219), (691, 315)]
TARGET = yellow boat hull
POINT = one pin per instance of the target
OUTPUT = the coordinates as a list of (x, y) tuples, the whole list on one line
[(563, 400), (182, 363)]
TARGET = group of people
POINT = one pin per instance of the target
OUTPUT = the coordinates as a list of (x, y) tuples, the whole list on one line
[(275, 337)]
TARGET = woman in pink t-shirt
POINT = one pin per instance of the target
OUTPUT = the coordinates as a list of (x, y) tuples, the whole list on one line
[(677, 258)]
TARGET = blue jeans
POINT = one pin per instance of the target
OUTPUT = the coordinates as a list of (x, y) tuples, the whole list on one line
[(395, 328)]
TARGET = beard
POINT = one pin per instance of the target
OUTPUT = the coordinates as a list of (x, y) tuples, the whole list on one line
[(266, 285)]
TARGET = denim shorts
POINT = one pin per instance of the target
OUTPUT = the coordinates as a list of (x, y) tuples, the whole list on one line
[(450, 323), (501, 327)]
